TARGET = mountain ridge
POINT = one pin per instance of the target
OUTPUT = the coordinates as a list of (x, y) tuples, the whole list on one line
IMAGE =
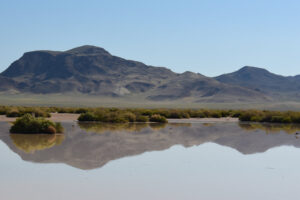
[(274, 85), (93, 70)]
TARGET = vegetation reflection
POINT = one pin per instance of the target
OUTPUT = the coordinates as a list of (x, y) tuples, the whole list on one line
[(112, 127), (272, 128), (30, 143), (103, 127)]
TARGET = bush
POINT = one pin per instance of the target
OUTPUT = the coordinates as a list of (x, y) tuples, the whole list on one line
[(270, 116), (13, 113), (29, 124), (87, 117), (37, 112), (81, 110), (119, 116), (142, 118), (20, 111), (177, 114), (197, 114), (51, 129), (3, 110), (116, 117), (158, 118), (128, 116), (216, 114), (247, 116)]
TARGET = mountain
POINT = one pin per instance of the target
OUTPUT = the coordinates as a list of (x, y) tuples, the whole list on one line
[(85, 69), (277, 86), (94, 71), (6, 83)]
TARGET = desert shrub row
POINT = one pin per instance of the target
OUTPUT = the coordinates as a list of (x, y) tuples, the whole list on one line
[(145, 115), (270, 116), (120, 116), (18, 111)]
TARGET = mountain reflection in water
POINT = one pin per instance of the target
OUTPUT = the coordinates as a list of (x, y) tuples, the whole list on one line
[(92, 145)]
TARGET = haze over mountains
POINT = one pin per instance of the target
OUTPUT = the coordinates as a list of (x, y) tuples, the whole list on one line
[(94, 71)]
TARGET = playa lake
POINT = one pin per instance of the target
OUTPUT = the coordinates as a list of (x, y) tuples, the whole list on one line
[(190, 160)]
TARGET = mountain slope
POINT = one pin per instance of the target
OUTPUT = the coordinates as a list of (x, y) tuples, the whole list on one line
[(6, 84), (94, 71), (85, 69), (203, 89), (262, 80)]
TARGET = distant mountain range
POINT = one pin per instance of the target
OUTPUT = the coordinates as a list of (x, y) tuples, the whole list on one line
[(94, 71)]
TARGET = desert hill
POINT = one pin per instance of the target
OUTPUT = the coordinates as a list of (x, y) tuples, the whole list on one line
[(94, 71)]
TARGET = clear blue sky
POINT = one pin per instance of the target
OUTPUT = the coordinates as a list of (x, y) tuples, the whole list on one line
[(210, 37)]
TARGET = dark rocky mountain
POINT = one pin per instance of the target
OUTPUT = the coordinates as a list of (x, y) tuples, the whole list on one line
[(94, 71), (6, 83), (85, 69), (277, 86)]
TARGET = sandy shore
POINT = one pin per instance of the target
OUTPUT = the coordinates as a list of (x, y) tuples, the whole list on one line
[(61, 117), (64, 117), (56, 117)]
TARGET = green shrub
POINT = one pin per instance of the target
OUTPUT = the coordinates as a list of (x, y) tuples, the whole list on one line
[(216, 114), (51, 130), (20, 111), (176, 114), (116, 117), (81, 110), (245, 116), (270, 116), (158, 118), (255, 119), (13, 113), (29, 124), (142, 118), (197, 114), (38, 113), (3, 110), (128, 116), (236, 114), (87, 117)]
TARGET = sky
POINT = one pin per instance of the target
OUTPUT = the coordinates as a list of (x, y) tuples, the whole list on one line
[(210, 37)]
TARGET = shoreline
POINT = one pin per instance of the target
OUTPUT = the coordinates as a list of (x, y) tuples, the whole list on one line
[(69, 117), (56, 117)]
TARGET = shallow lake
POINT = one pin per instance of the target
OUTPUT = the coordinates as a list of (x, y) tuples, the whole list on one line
[(139, 161)]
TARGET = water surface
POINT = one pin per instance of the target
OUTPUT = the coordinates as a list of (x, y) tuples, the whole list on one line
[(138, 161)]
